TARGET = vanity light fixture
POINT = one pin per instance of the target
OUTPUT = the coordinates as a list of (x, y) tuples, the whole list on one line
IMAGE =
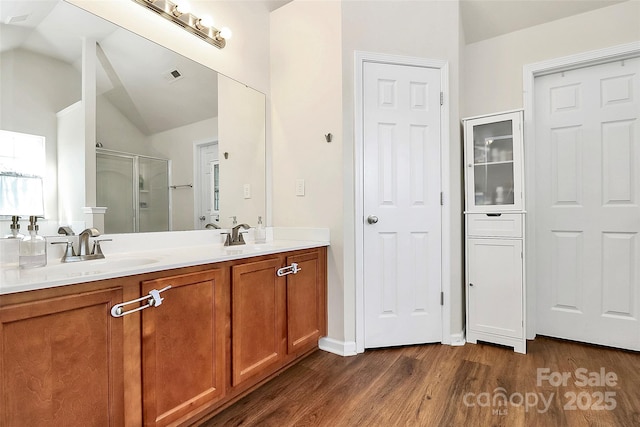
[(179, 13)]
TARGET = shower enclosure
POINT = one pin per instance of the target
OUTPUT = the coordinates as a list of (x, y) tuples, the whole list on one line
[(135, 190)]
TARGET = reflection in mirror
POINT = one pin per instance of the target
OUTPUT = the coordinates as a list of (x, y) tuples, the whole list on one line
[(138, 184), (80, 81), (22, 160)]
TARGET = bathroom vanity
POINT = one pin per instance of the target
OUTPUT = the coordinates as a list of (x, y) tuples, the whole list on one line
[(219, 322)]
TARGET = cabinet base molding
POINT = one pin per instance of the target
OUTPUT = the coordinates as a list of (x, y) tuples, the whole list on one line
[(458, 339), (341, 348), (519, 344)]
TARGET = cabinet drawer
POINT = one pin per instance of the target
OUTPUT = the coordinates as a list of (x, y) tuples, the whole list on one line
[(494, 225)]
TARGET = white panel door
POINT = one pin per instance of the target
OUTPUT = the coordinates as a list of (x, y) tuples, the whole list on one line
[(587, 203), (207, 195), (402, 270)]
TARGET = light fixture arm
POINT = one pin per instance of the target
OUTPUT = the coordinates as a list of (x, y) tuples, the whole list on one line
[(186, 20)]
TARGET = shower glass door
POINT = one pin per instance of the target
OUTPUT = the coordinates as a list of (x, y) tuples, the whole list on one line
[(135, 191), (153, 183), (114, 190)]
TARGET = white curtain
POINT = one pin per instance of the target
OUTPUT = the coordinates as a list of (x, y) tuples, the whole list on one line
[(21, 195)]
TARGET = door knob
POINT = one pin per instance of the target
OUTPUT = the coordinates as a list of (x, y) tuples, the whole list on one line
[(372, 219)]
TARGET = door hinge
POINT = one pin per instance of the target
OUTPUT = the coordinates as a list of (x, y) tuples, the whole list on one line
[(441, 98), (441, 198), (441, 298)]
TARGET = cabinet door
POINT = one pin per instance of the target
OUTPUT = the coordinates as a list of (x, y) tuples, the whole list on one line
[(495, 286), (257, 319), (493, 153), (62, 362), (183, 353), (306, 307)]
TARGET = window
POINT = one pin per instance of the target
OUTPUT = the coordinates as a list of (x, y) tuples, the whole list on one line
[(22, 170)]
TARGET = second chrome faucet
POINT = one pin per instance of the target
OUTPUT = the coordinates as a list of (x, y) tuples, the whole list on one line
[(84, 254), (236, 236)]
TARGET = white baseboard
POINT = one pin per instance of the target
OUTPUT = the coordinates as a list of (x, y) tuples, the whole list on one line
[(458, 339), (341, 348)]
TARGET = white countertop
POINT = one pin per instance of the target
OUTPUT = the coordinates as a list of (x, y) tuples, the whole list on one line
[(148, 258)]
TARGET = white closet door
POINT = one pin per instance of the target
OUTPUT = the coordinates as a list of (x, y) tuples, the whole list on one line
[(402, 243), (587, 203)]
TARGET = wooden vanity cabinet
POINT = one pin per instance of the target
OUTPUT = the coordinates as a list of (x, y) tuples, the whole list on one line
[(183, 346), (306, 301), (62, 358), (221, 330), (258, 316), (275, 318)]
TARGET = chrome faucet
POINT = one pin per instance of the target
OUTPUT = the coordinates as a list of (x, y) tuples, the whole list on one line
[(84, 240), (236, 237), (84, 254)]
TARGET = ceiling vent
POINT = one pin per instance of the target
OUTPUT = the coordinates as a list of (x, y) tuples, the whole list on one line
[(16, 19), (173, 75)]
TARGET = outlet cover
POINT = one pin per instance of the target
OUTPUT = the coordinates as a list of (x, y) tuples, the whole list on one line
[(247, 191)]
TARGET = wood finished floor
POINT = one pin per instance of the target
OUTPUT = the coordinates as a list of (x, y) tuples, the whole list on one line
[(426, 386)]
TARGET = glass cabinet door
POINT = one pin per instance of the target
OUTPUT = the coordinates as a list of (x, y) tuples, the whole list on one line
[(493, 162)]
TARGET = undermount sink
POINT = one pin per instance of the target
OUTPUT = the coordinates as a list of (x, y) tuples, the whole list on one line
[(98, 266)]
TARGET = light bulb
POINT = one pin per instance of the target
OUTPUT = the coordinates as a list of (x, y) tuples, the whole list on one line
[(206, 21), (225, 33)]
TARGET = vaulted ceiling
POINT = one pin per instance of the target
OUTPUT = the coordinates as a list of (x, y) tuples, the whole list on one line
[(139, 90), (484, 19)]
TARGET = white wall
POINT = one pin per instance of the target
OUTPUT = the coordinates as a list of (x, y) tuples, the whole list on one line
[(241, 135), (492, 77), (306, 97), (71, 163), (177, 145), (115, 132)]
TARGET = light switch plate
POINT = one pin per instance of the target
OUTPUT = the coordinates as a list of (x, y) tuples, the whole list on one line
[(247, 191), (299, 187)]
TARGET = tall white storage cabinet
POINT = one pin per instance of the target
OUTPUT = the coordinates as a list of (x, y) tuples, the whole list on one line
[(494, 218)]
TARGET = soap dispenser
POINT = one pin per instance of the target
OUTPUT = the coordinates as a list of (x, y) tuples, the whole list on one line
[(15, 229), (33, 248), (260, 232)]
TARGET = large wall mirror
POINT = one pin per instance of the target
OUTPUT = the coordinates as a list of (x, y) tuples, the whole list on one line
[(163, 142)]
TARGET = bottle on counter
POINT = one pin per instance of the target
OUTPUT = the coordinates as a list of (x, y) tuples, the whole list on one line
[(33, 248), (260, 232), (10, 245), (15, 229)]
